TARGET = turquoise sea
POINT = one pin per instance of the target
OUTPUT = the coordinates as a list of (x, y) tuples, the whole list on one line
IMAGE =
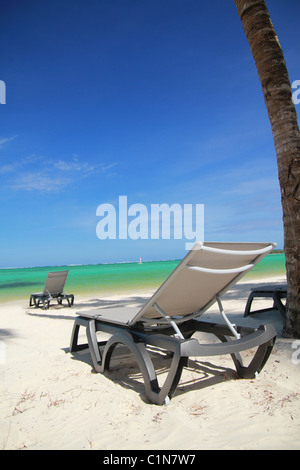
[(101, 279)]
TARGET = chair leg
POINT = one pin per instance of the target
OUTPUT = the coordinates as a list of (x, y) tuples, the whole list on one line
[(154, 393), (256, 365), (137, 342), (34, 300), (248, 305), (278, 304), (74, 346), (101, 361)]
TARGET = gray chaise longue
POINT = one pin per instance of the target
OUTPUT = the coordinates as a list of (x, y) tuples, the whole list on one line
[(172, 315), (53, 290)]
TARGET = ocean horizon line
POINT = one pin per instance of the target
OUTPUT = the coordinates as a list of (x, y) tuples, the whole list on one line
[(111, 277), (274, 252), (90, 264)]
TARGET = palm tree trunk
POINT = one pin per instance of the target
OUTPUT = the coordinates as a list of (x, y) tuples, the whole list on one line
[(277, 90)]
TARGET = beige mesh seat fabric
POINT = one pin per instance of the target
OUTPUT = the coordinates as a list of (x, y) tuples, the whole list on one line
[(53, 290), (172, 315)]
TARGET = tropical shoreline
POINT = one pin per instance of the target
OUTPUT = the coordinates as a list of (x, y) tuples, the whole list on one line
[(108, 279), (51, 400)]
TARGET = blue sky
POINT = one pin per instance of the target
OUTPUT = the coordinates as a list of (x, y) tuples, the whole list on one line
[(158, 100)]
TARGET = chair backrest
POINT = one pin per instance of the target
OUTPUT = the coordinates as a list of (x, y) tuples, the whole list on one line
[(206, 272), (55, 282)]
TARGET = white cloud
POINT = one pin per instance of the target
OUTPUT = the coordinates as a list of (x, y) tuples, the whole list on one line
[(5, 140), (39, 181), (84, 167), (9, 168), (40, 174), (14, 167), (254, 186)]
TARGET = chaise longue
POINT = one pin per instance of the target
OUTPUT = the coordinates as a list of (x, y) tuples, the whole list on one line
[(53, 290), (169, 319)]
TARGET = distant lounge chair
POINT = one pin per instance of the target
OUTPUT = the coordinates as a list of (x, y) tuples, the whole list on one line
[(275, 292), (53, 290), (170, 317)]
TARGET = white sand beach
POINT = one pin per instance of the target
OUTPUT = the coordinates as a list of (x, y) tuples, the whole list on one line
[(51, 399)]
